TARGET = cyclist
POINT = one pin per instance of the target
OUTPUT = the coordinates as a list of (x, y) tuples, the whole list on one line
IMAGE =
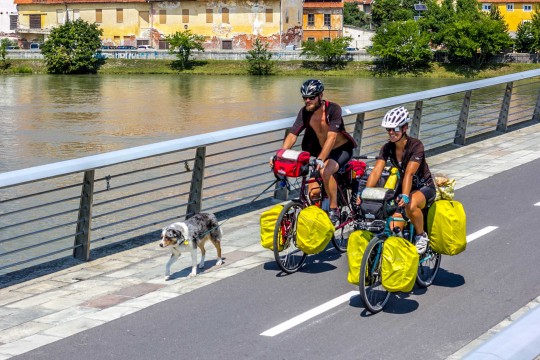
[(325, 138), (417, 187)]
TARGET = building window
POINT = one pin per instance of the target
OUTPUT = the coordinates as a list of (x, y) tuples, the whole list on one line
[(486, 7), (117, 40), (99, 15), (185, 16), (35, 21), (12, 22), (310, 39), (59, 16), (269, 15), (119, 15), (327, 22), (162, 16), (311, 19), (510, 7), (144, 19), (225, 15), (527, 8), (226, 44), (209, 16)]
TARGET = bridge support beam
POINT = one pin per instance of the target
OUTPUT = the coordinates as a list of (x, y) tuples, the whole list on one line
[(502, 123), (197, 177), (461, 129), (358, 131), (81, 249), (416, 120)]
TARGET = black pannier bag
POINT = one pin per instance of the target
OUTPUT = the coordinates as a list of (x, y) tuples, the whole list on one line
[(377, 203)]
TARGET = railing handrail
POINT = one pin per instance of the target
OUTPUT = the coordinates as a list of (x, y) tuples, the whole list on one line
[(77, 165)]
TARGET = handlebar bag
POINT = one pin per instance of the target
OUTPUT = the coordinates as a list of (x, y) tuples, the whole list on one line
[(268, 225), (399, 264), (358, 241), (291, 163), (447, 227), (377, 203), (313, 230)]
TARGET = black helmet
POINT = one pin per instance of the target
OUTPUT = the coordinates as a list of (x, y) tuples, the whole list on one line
[(311, 88)]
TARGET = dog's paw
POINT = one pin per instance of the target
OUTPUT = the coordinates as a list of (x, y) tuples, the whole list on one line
[(193, 274), (219, 262), (201, 266), (167, 277)]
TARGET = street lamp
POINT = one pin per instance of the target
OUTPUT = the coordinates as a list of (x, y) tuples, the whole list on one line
[(329, 37)]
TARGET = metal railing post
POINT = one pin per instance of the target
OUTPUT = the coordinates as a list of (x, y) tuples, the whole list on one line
[(461, 129), (358, 132), (502, 124), (197, 176), (536, 113), (416, 120), (83, 234)]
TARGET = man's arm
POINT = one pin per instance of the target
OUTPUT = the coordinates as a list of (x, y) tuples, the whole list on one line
[(289, 141)]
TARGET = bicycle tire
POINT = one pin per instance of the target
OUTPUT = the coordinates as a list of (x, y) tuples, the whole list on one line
[(341, 236), (428, 267), (288, 257), (372, 293)]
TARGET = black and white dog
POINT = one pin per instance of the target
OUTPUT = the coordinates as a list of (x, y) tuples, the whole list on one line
[(195, 231)]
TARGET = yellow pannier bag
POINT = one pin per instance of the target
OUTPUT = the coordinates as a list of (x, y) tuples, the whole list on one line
[(447, 227), (313, 230), (356, 246), (268, 224), (399, 264)]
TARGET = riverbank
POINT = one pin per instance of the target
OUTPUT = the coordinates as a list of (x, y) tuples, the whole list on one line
[(281, 68)]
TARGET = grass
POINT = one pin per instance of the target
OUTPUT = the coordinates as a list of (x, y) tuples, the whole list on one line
[(281, 68)]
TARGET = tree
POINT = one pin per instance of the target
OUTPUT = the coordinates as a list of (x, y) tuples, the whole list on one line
[(392, 10), (524, 42), (330, 52), (183, 43), (259, 59), (71, 48), (402, 45), (4, 63), (535, 21), (352, 15)]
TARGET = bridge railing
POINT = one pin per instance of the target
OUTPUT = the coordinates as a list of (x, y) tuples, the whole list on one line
[(70, 207)]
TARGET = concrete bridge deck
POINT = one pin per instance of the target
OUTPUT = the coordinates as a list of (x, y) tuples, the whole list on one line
[(52, 307)]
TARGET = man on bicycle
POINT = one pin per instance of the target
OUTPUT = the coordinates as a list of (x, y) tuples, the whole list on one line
[(325, 138), (417, 187)]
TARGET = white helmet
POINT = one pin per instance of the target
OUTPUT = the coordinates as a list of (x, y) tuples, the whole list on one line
[(396, 117)]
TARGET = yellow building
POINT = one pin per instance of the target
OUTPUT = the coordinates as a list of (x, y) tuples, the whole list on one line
[(322, 20), (225, 25), (514, 12)]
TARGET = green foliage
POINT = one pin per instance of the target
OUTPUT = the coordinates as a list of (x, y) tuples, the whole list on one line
[(259, 59), (352, 15), (4, 63), (524, 42), (401, 45), (535, 22), (183, 43), (392, 10), (71, 47), (330, 52)]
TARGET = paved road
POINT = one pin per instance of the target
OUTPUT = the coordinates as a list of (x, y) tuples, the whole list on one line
[(119, 307)]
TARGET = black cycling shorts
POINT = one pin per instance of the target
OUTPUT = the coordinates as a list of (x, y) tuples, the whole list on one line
[(342, 154)]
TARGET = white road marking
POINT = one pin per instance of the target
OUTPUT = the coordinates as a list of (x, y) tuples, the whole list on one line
[(481, 232), (284, 326), (537, 204)]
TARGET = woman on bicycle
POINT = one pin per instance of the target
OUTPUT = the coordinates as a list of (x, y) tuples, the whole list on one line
[(417, 187)]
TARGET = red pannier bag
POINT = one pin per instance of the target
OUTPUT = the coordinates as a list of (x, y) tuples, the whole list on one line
[(356, 168), (291, 163)]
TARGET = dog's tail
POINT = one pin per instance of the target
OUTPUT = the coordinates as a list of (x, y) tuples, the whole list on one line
[(217, 232)]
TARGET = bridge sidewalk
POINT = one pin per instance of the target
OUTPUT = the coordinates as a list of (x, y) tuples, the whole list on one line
[(52, 307)]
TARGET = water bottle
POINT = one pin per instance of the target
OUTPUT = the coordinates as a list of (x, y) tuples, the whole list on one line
[(392, 179)]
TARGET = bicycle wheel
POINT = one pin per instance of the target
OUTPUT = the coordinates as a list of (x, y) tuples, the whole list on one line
[(343, 230), (288, 257), (373, 294), (428, 267)]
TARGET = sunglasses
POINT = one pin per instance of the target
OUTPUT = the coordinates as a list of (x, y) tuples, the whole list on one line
[(310, 97), (396, 129)]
